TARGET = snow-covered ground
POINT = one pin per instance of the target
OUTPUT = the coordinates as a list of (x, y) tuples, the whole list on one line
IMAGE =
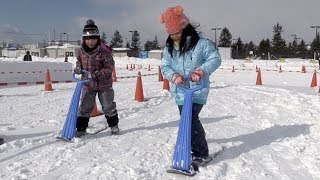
[(267, 132)]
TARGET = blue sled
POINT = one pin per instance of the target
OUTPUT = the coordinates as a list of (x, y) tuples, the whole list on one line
[(69, 129), (182, 153)]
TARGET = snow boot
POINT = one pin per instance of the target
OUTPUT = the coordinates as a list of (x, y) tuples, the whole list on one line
[(201, 161), (113, 123), (82, 124), (115, 129)]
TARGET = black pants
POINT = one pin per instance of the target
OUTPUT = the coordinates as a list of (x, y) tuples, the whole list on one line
[(199, 145)]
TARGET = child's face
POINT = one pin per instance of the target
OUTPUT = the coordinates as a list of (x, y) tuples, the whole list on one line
[(177, 36), (91, 43)]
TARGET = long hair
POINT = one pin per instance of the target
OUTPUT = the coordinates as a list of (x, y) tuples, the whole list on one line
[(189, 30)]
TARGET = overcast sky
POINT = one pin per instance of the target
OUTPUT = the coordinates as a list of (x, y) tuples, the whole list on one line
[(247, 19)]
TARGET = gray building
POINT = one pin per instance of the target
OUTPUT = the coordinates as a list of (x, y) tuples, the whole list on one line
[(62, 51), (155, 54), (120, 52)]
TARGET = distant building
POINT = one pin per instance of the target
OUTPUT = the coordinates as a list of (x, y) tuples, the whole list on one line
[(120, 52), (62, 51), (225, 52), (155, 54), (13, 52)]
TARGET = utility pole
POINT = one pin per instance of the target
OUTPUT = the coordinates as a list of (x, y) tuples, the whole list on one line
[(215, 35), (54, 36)]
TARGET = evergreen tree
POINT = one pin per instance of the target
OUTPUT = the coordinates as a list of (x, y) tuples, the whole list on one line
[(315, 46), (302, 49), (264, 48), (155, 44), (116, 41), (135, 43), (103, 38), (148, 46), (240, 49), (251, 46), (225, 38), (279, 44), (128, 45), (290, 51)]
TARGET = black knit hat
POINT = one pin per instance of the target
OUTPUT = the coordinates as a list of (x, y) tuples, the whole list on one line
[(90, 29)]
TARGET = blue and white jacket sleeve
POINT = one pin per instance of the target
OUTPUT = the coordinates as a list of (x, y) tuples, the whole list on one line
[(212, 58), (166, 65)]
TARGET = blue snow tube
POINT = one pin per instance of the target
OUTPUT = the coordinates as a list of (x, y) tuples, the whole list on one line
[(69, 129), (182, 153)]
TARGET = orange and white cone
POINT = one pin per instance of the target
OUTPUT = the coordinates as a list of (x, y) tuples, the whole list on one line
[(48, 82), (160, 77), (303, 69), (139, 89), (259, 81), (95, 111), (314, 79), (114, 75), (166, 85)]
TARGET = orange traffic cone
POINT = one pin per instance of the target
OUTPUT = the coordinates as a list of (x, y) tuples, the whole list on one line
[(114, 75), (139, 90), (280, 70), (95, 111), (314, 79), (160, 77), (233, 68), (166, 85), (259, 81), (127, 66), (48, 83), (303, 69), (149, 68)]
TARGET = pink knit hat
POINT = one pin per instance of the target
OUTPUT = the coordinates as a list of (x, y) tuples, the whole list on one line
[(174, 19)]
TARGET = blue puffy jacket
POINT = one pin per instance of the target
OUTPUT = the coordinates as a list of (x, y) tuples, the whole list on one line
[(204, 55)]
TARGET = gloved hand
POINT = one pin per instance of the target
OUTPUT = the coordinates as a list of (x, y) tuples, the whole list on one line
[(177, 78), (95, 74), (196, 75), (77, 70)]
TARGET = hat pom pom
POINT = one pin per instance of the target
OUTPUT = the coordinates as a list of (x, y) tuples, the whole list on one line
[(161, 18), (178, 10), (90, 22)]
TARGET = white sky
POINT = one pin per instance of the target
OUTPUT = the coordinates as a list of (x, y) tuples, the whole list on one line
[(268, 132), (248, 19)]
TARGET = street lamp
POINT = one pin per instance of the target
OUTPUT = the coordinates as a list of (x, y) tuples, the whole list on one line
[(215, 35), (316, 29)]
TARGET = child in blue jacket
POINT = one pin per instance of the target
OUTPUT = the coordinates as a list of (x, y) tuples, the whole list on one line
[(187, 54)]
